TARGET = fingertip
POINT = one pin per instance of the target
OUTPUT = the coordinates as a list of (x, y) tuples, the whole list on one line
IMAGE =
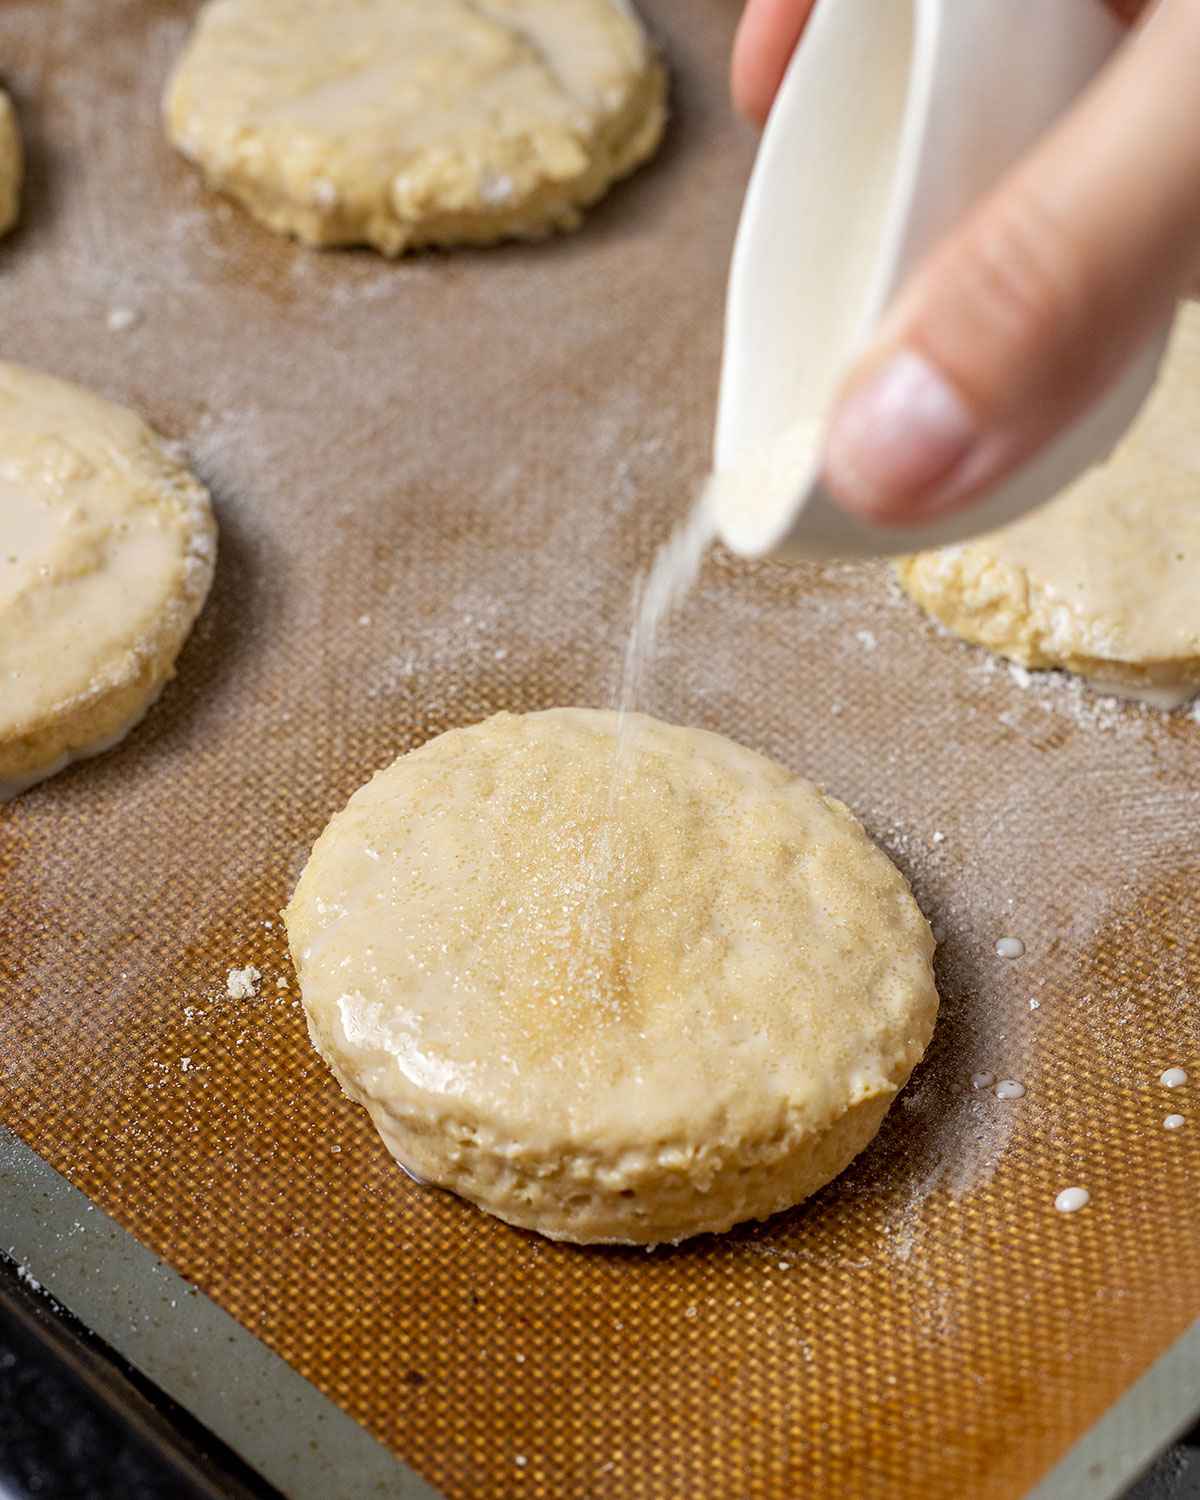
[(766, 37), (751, 94), (897, 435)]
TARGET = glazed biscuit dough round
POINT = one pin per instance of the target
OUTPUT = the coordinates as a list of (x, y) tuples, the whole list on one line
[(400, 123), (628, 1028), (1104, 580), (107, 547), (11, 164)]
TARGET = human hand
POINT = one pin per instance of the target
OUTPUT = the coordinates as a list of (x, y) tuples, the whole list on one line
[(1023, 314)]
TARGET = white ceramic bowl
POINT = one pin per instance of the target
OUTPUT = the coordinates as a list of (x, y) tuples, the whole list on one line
[(894, 117)]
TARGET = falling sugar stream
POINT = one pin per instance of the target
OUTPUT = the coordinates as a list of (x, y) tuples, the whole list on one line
[(656, 594)]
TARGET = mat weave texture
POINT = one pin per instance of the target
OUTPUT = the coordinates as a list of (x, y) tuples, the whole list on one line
[(436, 481)]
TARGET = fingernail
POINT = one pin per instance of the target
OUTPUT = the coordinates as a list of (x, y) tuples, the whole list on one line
[(897, 436)]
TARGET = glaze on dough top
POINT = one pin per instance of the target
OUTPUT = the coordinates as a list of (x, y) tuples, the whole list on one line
[(476, 937)]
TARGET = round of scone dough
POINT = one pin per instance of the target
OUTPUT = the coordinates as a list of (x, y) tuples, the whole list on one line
[(107, 547), (1104, 580), (623, 1027), (400, 123), (11, 164)]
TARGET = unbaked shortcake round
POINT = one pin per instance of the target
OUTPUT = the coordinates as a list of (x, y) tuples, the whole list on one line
[(107, 548), (399, 123), (624, 1012), (1104, 580)]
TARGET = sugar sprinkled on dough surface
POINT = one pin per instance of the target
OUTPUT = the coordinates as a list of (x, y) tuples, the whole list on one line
[(694, 1001)]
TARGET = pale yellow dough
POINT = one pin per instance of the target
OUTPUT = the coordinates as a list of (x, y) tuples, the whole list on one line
[(400, 123), (611, 1030), (1105, 580), (12, 164), (107, 546)]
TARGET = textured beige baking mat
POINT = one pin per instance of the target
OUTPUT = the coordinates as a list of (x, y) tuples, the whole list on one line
[(436, 481)]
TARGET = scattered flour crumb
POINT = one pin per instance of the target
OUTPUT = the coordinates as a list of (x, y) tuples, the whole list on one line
[(495, 187), (242, 984), (186, 1064), (867, 639), (26, 1275), (120, 319)]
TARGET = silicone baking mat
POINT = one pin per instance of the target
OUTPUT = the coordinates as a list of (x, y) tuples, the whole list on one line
[(436, 481)]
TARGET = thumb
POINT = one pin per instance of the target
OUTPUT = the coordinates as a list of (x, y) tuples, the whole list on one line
[(1021, 317)]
